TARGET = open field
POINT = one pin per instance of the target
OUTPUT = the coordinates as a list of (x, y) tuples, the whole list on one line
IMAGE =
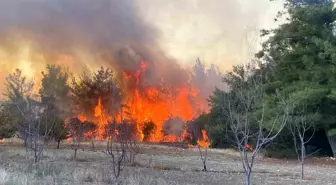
[(154, 165)]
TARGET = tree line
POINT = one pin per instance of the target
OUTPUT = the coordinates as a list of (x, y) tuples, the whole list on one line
[(296, 78)]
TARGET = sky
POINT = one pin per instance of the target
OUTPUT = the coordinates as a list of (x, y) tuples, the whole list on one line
[(223, 32)]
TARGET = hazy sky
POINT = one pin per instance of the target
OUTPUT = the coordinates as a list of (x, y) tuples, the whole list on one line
[(223, 32), (214, 30)]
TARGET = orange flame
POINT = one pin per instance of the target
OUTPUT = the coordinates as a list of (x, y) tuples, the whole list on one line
[(101, 120), (82, 118), (204, 142), (156, 104)]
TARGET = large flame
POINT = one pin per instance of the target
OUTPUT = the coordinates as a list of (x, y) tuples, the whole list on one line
[(155, 104), (101, 118)]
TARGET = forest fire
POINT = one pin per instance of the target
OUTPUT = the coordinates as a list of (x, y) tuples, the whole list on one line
[(144, 104)]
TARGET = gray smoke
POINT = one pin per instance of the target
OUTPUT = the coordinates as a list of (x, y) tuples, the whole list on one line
[(110, 29)]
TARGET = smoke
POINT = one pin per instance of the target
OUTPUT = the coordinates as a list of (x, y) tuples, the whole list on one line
[(217, 31), (173, 126), (122, 33), (78, 33)]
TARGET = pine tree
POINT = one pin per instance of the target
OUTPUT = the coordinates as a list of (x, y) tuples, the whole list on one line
[(56, 100), (301, 54)]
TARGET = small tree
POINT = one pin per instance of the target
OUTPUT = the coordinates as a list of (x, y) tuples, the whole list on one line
[(300, 124), (35, 131), (251, 119), (60, 132), (203, 142), (116, 150), (18, 91), (77, 130), (127, 133)]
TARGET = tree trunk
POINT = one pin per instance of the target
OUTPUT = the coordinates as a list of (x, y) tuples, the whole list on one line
[(204, 166), (303, 155), (25, 142), (36, 152), (248, 178), (75, 155), (302, 171), (58, 144), (93, 145), (332, 142)]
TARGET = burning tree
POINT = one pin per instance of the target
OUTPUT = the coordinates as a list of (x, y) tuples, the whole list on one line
[(94, 97), (148, 129), (203, 143)]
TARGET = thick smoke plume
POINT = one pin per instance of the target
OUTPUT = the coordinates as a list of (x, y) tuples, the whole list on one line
[(74, 32)]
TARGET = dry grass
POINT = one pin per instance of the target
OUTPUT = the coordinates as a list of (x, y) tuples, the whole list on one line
[(155, 165)]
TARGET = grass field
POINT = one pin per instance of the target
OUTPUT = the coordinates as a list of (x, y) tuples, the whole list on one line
[(155, 165)]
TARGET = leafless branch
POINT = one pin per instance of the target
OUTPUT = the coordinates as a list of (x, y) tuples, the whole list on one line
[(299, 126), (245, 109)]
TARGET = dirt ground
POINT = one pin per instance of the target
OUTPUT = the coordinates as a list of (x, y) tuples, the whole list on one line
[(155, 165)]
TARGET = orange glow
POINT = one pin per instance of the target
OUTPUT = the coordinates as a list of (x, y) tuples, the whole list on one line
[(170, 138), (151, 103), (82, 118), (204, 142), (101, 120)]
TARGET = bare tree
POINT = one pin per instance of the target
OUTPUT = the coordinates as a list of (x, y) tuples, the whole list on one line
[(248, 114), (127, 134), (133, 149), (203, 155), (299, 126), (77, 131), (36, 129), (203, 143), (116, 150)]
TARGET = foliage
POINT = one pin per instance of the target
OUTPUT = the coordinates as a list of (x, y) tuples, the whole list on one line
[(88, 90), (301, 58), (7, 121), (17, 86), (196, 126), (19, 92), (56, 101), (249, 117)]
